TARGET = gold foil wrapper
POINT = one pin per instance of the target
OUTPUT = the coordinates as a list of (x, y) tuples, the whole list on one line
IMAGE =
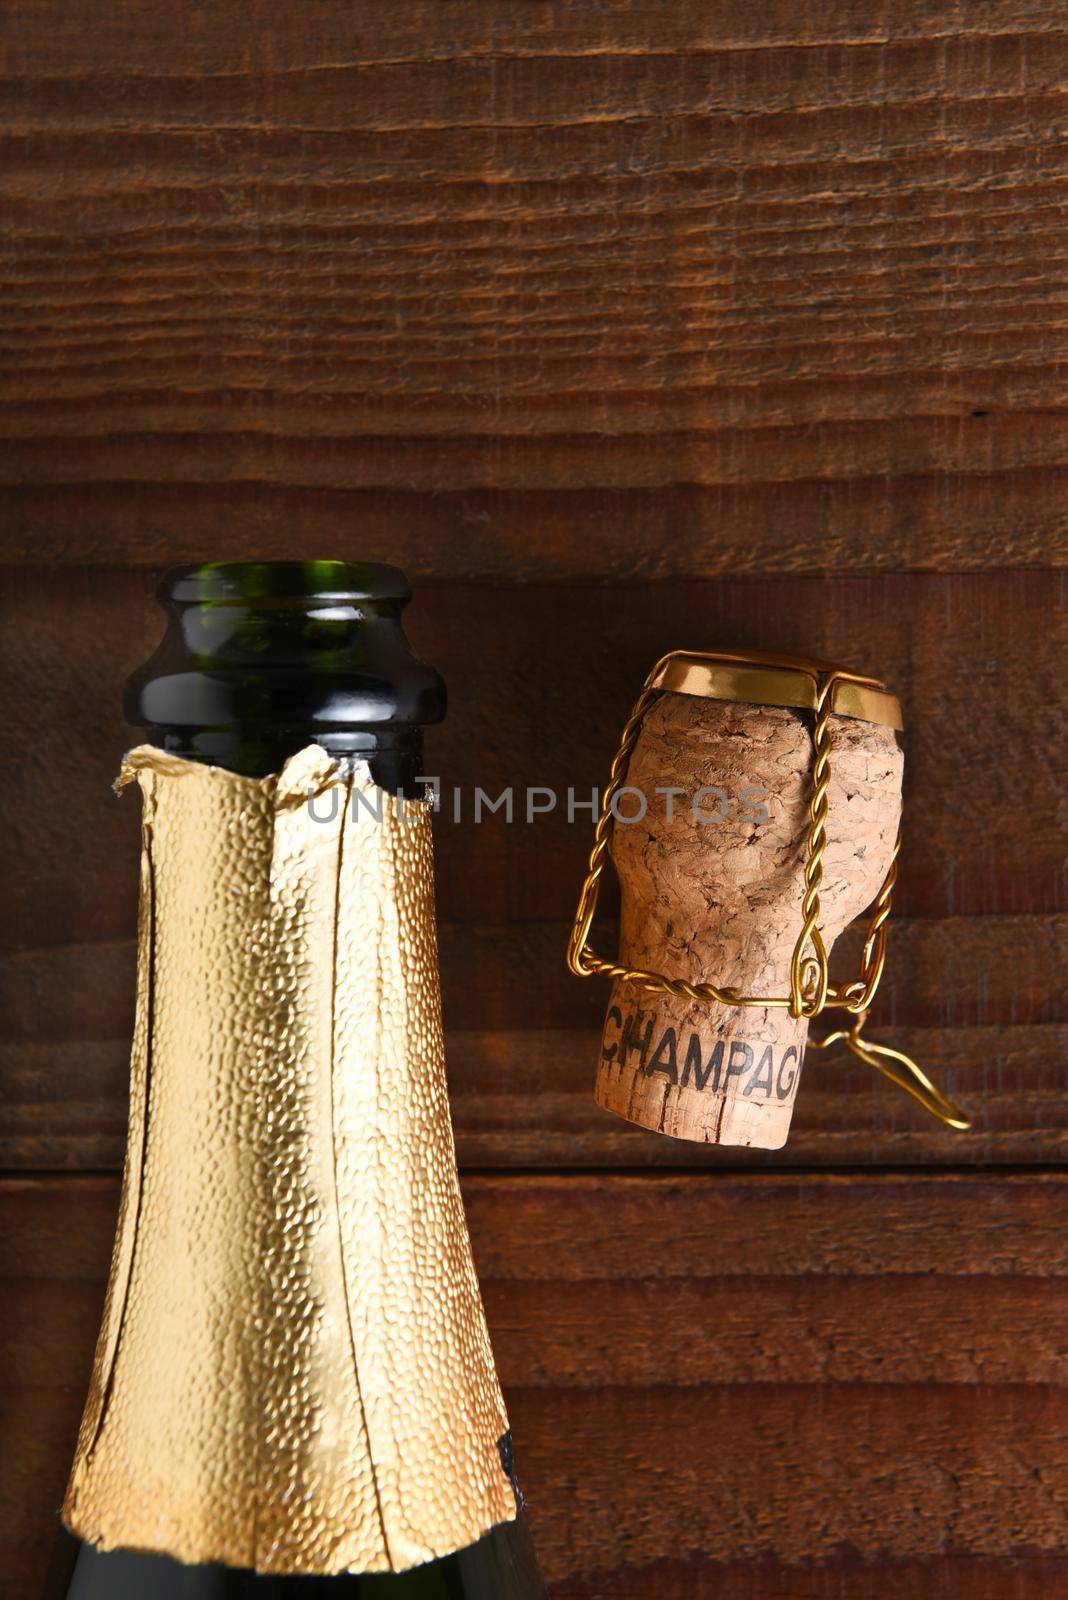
[(293, 1373)]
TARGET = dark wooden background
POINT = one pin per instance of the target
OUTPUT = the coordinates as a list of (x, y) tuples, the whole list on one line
[(621, 326)]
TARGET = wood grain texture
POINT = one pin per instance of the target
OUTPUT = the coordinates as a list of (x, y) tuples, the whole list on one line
[(56, 42), (676, 1354), (725, 291)]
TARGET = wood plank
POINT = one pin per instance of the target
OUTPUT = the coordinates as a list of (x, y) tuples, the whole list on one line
[(710, 1378), (60, 41), (524, 1098), (840, 1577), (554, 1227), (721, 1471), (554, 88), (833, 452), (976, 660), (949, 404), (984, 519), (730, 293)]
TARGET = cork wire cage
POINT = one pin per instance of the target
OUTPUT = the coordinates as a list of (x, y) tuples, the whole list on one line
[(819, 690)]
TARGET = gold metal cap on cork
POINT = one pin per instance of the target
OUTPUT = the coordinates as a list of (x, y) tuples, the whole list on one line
[(726, 930), (762, 678)]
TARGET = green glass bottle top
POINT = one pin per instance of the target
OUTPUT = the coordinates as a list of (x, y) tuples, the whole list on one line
[(261, 657)]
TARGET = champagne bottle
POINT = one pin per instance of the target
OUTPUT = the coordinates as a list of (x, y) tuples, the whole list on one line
[(294, 1393)]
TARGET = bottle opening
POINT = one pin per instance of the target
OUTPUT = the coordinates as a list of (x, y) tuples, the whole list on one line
[(236, 582)]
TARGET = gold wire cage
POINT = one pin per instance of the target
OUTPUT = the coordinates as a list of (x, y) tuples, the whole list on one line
[(768, 678)]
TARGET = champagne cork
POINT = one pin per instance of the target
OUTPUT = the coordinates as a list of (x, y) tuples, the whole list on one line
[(712, 881)]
